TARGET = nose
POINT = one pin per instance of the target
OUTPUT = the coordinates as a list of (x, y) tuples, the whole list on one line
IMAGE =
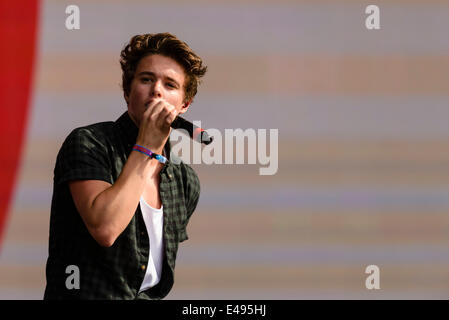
[(156, 89)]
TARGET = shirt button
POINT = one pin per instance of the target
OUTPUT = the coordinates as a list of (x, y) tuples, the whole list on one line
[(143, 267), (142, 233)]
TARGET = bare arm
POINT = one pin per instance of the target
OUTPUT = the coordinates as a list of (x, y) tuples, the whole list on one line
[(107, 209)]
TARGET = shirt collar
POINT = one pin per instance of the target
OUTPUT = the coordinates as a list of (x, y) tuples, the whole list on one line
[(128, 127)]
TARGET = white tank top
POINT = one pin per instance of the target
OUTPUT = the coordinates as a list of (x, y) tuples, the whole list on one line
[(154, 220)]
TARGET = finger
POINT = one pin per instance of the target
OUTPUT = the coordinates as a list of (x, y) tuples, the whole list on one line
[(171, 116), (166, 113), (149, 110), (156, 110), (155, 106)]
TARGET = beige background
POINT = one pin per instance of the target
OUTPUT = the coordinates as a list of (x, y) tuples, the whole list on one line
[(363, 144)]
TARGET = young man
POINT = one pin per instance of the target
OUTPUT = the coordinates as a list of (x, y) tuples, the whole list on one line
[(117, 212)]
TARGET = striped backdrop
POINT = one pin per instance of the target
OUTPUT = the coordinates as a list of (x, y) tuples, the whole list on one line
[(363, 140)]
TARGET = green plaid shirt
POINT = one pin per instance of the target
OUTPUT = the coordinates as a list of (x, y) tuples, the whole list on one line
[(99, 152)]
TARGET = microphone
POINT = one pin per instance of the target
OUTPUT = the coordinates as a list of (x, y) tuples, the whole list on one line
[(196, 133)]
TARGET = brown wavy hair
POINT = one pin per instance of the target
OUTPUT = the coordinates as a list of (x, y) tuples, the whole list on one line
[(167, 45)]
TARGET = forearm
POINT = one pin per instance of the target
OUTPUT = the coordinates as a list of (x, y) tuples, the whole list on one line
[(108, 209), (113, 209)]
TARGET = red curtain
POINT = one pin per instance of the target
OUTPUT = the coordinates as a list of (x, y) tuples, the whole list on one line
[(18, 33)]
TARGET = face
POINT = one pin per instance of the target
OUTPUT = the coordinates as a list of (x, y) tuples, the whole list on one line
[(156, 77)]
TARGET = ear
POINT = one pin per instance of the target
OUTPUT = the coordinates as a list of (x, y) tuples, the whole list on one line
[(126, 98), (185, 106)]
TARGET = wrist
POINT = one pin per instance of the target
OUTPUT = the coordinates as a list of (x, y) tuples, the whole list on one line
[(150, 153), (150, 146)]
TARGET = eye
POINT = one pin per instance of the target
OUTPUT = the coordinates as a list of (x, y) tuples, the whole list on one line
[(171, 85)]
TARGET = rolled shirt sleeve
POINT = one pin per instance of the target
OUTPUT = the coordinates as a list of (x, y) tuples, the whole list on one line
[(83, 156)]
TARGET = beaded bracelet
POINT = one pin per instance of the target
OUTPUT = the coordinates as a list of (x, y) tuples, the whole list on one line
[(150, 153)]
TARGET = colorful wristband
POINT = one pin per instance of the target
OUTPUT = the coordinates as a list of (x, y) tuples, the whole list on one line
[(150, 153), (143, 150)]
